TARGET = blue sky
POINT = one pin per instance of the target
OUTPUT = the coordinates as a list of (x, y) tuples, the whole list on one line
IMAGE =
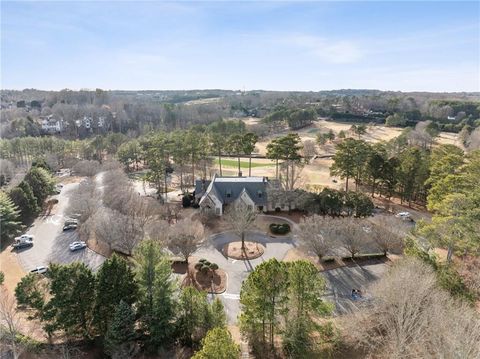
[(402, 45)]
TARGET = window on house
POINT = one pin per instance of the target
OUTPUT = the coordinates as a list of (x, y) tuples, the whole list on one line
[(250, 207), (260, 194), (229, 193)]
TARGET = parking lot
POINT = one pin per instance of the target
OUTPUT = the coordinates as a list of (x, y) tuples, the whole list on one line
[(51, 244)]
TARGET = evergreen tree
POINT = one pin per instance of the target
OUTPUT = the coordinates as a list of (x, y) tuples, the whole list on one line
[(218, 344), (153, 274), (41, 183), (115, 283), (249, 140), (262, 298), (70, 308), (304, 304), (191, 314), (217, 314), (120, 336), (10, 224), (23, 197)]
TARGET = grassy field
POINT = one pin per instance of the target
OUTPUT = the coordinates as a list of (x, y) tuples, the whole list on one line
[(243, 164)]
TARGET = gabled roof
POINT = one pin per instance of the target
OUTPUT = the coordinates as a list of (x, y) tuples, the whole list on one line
[(228, 189)]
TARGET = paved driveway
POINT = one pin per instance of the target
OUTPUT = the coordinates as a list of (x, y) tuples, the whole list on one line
[(341, 281), (51, 243), (238, 270)]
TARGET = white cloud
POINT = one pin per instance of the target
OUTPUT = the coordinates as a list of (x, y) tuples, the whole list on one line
[(335, 52)]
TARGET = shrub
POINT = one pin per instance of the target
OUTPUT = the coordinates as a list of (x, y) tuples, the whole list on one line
[(186, 201), (282, 228), (205, 269), (198, 266), (203, 260), (214, 266)]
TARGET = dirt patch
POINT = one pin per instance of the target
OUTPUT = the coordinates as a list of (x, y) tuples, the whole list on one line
[(295, 254), (99, 247), (179, 267), (68, 179), (252, 250), (11, 268), (211, 282)]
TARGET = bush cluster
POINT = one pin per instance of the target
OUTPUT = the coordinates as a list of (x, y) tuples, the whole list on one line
[(205, 266)]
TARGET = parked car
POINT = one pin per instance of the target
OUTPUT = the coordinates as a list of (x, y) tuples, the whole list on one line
[(25, 240), (70, 227), (70, 221), (39, 270), (403, 215), (77, 245)]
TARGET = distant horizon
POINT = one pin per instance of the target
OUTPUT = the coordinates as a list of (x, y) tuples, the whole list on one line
[(238, 90), (421, 46)]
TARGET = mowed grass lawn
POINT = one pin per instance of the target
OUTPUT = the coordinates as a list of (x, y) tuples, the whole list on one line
[(228, 162)]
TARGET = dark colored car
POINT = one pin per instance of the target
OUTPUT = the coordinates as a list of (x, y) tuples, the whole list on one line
[(70, 227)]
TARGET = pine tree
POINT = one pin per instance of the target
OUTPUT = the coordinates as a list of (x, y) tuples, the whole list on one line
[(304, 304), (72, 288), (153, 274), (217, 314), (115, 283), (218, 344), (120, 336), (262, 298), (23, 197), (41, 183), (10, 224), (192, 310)]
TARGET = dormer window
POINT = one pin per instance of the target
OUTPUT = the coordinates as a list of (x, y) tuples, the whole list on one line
[(259, 194), (229, 193)]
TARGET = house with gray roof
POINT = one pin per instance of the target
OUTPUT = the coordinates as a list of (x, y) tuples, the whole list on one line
[(216, 194)]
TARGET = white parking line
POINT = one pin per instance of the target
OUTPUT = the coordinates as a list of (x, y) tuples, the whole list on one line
[(231, 296)]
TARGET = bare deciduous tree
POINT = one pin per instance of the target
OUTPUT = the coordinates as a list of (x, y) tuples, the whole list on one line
[(84, 201), (316, 235), (86, 168), (388, 233), (309, 150), (185, 237), (240, 217), (410, 317), (351, 235), (9, 323)]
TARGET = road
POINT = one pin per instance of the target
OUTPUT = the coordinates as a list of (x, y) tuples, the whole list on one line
[(238, 270), (340, 281), (51, 243)]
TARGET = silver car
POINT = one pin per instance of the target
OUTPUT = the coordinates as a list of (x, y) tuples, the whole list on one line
[(39, 270), (77, 245)]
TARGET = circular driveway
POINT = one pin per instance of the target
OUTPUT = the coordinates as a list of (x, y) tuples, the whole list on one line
[(238, 270)]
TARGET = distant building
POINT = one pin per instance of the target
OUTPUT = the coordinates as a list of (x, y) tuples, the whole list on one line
[(50, 124), (220, 192), (101, 122)]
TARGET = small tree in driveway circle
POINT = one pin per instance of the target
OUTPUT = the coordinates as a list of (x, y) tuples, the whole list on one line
[(241, 218), (185, 237)]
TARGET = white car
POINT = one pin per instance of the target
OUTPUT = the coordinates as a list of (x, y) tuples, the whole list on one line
[(77, 245), (403, 215), (39, 270), (25, 237)]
